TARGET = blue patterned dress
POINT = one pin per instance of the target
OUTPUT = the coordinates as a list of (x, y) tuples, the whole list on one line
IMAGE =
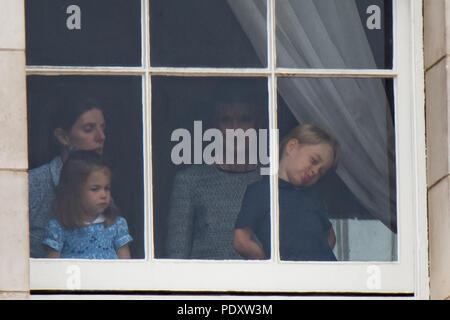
[(42, 182), (91, 242)]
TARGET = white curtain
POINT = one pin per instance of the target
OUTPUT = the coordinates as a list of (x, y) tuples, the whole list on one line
[(329, 34)]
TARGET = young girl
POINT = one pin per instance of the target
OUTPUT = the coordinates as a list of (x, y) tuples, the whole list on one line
[(87, 224), (306, 234)]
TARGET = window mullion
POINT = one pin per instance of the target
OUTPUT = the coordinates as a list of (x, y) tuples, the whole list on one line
[(341, 73), (73, 70), (145, 34), (146, 125), (271, 56), (209, 72), (148, 165)]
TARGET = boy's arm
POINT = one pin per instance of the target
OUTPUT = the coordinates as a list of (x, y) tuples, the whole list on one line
[(245, 246)]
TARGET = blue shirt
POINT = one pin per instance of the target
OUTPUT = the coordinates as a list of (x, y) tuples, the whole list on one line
[(91, 242), (304, 223)]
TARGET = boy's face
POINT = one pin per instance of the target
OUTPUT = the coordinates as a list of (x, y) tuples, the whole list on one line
[(305, 164), (96, 193)]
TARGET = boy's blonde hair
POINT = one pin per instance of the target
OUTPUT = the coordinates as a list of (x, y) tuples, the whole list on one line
[(312, 135)]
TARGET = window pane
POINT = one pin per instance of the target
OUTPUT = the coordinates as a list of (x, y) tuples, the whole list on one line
[(357, 201), (83, 32), (334, 34), (198, 180), (69, 113), (206, 33)]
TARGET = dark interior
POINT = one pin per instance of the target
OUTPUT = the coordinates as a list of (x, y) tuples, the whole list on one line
[(182, 35)]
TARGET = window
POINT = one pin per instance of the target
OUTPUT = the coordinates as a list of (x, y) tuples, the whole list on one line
[(168, 74)]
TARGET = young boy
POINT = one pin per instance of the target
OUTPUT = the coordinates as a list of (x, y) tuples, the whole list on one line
[(306, 234)]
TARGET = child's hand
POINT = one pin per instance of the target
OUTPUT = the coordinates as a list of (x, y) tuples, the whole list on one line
[(331, 238), (124, 252), (245, 246), (53, 254)]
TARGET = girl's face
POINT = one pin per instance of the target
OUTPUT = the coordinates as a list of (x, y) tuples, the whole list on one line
[(96, 193), (305, 164), (88, 132)]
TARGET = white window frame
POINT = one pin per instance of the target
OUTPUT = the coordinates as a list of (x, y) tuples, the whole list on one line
[(408, 275)]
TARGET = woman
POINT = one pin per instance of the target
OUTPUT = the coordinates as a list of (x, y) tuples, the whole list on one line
[(78, 125), (205, 199)]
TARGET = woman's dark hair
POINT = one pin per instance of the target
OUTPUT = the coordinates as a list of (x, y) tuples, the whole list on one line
[(67, 112), (74, 173), (244, 92)]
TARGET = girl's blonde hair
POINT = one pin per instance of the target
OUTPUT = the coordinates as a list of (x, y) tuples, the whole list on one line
[(74, 174), (311, 134)]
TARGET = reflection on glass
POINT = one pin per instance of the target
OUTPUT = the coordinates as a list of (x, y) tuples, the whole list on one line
[(80, 128), (204, 131), (83, 32), (352, 208), (206, 33), (334, 34)]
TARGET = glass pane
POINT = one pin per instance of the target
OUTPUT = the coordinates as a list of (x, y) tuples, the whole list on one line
[(337, 207), (207, 33), (334, 34), (67, 114), (83, 32), (199, 177)]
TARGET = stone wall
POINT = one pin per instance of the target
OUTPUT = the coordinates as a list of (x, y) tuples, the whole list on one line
[(437, 49), (14, 247)]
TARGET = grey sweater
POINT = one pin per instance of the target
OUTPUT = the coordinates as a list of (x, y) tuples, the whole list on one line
[(204, 204)]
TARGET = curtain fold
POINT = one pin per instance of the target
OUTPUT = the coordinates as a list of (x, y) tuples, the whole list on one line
[(330, 34)]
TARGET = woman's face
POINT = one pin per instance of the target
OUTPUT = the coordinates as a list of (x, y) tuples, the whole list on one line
[(88, 132), (235, 116), (305, 164)]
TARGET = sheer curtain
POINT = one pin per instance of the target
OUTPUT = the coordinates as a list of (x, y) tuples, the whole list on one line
[(329, 34)]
